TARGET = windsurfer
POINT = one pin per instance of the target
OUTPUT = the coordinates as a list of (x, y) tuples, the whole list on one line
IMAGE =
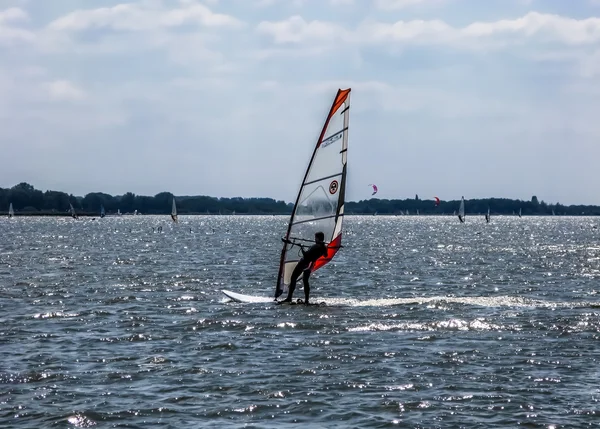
[(304, 265)]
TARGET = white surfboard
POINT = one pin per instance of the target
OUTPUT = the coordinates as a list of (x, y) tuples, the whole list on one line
[(239, 297), (247, 298)]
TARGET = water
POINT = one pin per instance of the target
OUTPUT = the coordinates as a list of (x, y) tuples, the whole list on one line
[(428, 323)]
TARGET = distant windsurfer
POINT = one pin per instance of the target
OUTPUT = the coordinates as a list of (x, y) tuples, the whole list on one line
[(304, 265)]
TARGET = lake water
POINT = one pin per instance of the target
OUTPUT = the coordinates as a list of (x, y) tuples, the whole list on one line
[(427, 323)]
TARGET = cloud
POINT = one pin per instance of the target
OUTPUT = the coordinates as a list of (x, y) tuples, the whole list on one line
[(143, 16), (402, 4), (296, 30), (9, 32), (534, 26), (271, 3), (13, 14), (63, 90)]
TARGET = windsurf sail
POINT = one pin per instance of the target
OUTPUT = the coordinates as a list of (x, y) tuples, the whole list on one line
[(174, 211), (102, 212), (487, 216), (374, 189), (73, 214), (519, 211), (319, 205), (437, 201), (11, 212), (461, 210)]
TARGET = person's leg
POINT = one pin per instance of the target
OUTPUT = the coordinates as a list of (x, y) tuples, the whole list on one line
[(305, 277), (295, 274)]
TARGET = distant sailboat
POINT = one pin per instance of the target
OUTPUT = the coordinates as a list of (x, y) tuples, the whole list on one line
[(519, 212), (487, 216), (73, 214), (461, 210), (119, 212), (174, 211), (102, 212), (11, 212)]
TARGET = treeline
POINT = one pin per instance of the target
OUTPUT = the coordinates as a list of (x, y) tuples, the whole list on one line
[(497, 206), (28, 200)]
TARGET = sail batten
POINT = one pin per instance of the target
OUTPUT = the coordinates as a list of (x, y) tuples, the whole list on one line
[(322, 178), (319, 205)]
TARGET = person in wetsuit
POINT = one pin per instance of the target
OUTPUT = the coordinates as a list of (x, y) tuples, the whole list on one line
[(308, 258)]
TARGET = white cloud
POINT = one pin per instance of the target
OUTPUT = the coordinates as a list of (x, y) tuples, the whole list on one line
[(543, 28), (296, 30), (143, 16), (270, 3), (553, 28), (402, 4), (13, 14), (63, 90), (9, 33)]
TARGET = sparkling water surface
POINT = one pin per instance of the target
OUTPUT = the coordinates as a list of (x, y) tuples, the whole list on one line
[(426, 322)]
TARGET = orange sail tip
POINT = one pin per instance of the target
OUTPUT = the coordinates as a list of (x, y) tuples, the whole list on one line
[(340, 99)]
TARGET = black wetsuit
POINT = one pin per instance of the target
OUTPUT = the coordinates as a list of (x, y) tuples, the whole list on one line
[(308, 258)]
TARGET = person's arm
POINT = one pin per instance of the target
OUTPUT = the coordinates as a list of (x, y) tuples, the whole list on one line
[(285, 240)]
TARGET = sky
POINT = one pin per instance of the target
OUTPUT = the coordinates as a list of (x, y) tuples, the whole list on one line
[(494, 98)]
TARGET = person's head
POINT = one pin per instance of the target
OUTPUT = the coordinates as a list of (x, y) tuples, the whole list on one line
[(319, 237)]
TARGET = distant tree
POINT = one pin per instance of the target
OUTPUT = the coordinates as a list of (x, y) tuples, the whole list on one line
[(163, 200), (534, 201), (128, 202)]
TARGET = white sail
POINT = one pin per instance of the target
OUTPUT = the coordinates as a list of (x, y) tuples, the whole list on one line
[(174, 211), (102, 212), (72, 210), (320, 202), (11, 212), (461, 210), (519, 212)]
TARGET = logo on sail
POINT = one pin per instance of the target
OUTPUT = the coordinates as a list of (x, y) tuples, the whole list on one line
[(333, 187), (331, 139)]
